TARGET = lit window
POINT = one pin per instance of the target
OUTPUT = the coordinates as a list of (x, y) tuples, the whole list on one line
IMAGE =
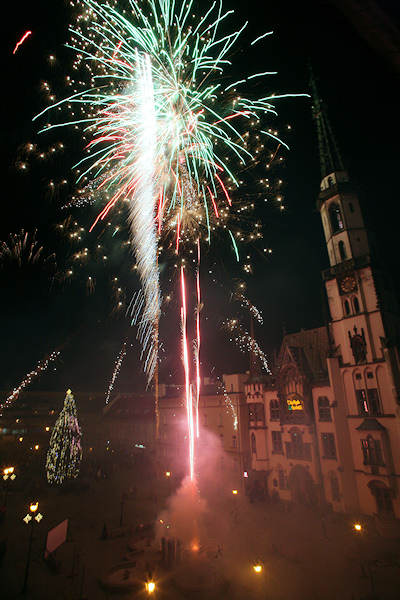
[(335, 218)]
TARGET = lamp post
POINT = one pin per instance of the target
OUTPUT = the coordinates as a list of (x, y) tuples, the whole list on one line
[(235, 493), (122, 507), (8, 475), (259, 567), (168, 475), (33, 508), (358, 529)]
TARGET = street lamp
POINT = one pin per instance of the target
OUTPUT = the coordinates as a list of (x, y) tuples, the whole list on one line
[(8, 474), (168, 474), (33, 508), (150, 587)]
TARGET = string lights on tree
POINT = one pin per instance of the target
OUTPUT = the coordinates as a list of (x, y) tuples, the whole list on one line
[(65, 453)]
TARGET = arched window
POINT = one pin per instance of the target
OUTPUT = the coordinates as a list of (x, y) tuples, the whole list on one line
[(253, 443), (346, 308), (356, 304), (281, 477), (324, 411), (342, 250), (383, 498), (274, 410), (335, 218), (335, 491)]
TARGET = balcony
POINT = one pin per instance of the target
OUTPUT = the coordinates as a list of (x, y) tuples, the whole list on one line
[(298, 451)]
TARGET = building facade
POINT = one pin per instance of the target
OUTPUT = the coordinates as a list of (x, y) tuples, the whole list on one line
[(326, 428), (222, 449)]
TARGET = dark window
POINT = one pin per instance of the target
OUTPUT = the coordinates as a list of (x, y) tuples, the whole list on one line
[(372, 451), (221, 437), (277, 445), (256, 412), (346, 308), (335, 491), (297, 443), (234, 441), (335, 218), (253, 443), (373, 401), (342, 250), (358, 375), (324, 411), (351, 207), (383, 500), (368, 402), (356, 304), (281, 479), (328, 445), (274, 410), (370, 375)]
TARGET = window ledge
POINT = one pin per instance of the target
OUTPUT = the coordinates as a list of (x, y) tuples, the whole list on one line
[(329, 457), (278, 452)]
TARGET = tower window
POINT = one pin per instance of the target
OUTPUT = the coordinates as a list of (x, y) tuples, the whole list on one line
[(335, 217), (346, 308), (342, 250), (356, 304)]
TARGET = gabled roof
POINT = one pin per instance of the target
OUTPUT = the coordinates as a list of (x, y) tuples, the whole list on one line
[(370, 425), (308, 349), (130, 407)]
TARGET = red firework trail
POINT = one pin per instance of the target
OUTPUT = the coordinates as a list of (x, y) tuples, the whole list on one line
[(21, 41)]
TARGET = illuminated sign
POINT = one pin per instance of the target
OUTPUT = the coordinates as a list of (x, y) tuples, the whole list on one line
[(294, 402)]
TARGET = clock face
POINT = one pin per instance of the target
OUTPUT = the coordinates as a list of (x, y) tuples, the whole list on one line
[(348, 284)]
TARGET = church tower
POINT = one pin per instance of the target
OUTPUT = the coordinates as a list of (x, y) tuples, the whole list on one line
[(364, 327)]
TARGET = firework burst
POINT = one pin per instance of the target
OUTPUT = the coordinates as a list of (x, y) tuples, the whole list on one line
[(164, 129)]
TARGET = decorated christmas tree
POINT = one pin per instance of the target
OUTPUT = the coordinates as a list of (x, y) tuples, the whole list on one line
[(65, 453)]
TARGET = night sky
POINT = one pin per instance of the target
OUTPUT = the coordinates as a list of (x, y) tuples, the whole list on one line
[(39, 312)]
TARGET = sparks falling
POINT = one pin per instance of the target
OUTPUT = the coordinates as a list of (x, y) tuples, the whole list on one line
[(42, 366)]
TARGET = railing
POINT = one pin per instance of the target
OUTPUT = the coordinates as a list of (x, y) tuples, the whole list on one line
[(298, 451)]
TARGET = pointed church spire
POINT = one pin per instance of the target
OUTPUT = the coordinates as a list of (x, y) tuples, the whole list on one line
[(329, 155)]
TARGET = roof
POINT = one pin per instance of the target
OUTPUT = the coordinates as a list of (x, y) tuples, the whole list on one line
[(309, 349), (130, 407), (370, 425)]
